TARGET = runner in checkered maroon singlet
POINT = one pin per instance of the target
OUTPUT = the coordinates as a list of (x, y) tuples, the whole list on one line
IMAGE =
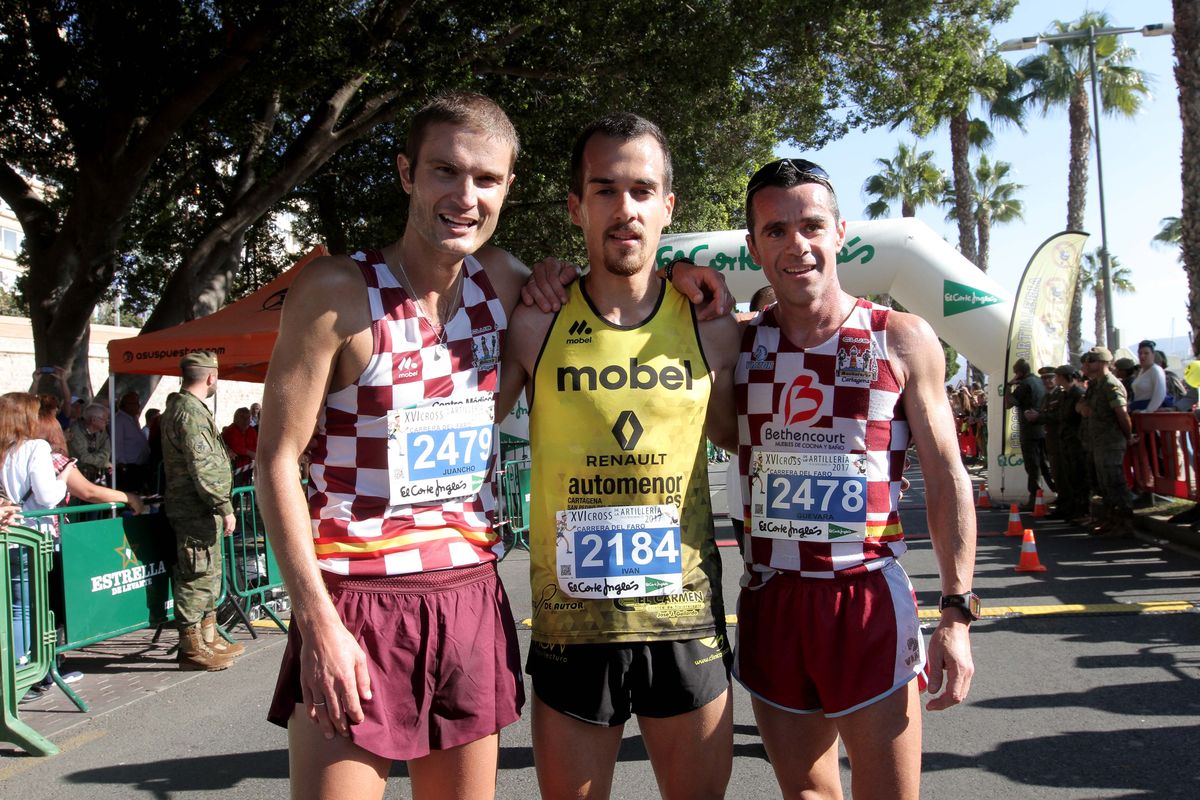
[(828, 638), (402, 644)]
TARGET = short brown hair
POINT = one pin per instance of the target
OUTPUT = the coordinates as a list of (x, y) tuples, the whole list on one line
[(623, 127), (464, 109)]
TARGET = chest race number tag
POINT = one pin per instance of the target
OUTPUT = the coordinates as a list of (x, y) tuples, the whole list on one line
[(439, 451), (814, 497), (619, 551)]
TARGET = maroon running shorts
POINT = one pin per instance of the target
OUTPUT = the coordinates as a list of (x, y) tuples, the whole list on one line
[(829, 645), (441, 652)]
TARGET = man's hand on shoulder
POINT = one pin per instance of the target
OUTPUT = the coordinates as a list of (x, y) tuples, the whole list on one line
[(546, 287), (704, 286)]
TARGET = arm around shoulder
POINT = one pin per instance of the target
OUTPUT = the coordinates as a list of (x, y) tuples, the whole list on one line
[(721, 340)]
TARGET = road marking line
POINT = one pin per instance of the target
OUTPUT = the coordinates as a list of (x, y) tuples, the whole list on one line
[(74, 743), (1058, 610)]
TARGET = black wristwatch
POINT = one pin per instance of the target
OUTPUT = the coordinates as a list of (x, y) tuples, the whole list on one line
[(669, 269), (967, 603)]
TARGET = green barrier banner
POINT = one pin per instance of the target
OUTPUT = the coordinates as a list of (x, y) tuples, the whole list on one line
[(116, 575)]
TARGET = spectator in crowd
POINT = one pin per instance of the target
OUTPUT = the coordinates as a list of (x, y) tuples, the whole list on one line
[(74, 410), (29, 477), (52, 381), (1176, 388), (255, 413), (78, 486), (87, 442), (132, 454), (242, 440), (1110, 432), (28, 472), (153, 433), (1124, 369), (1150, 382), (1024, 393), (979, 403), (151, 415)]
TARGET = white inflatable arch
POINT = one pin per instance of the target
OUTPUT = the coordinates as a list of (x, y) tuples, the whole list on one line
[(924, 273)]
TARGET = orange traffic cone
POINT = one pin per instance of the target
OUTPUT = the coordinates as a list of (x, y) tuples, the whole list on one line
[(1015, 528), (985, 500), (1029, 557), (1039, 505)]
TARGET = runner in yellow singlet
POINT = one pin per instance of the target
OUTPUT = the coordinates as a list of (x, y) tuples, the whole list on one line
[(623, 384)]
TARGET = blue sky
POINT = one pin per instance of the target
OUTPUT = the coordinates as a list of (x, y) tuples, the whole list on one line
[(1141, 175)]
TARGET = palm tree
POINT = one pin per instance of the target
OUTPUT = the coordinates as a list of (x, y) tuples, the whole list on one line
[(1092, 277), (1060, 77), (996, 83), (995, 201), (1171, 233), (1187, 76), (910, 177)]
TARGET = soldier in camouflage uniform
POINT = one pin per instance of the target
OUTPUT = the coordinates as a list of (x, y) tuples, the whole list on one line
[(199, 483), (1073, 489), (1110, 431)]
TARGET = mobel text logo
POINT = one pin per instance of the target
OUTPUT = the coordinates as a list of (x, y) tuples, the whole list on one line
[(617, 376)]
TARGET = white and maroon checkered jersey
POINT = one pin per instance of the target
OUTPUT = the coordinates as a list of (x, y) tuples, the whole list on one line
[(356, 531), (840, 396)]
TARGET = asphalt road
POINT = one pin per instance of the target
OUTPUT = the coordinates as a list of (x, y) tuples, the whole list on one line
[(1074, 696)]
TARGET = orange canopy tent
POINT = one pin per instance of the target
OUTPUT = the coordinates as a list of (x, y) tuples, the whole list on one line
[(242, 335)]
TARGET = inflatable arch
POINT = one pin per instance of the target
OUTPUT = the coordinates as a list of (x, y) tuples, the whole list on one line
[(925, 274)]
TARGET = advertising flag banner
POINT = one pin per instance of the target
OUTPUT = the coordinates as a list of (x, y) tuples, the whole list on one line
[(1041, 313)]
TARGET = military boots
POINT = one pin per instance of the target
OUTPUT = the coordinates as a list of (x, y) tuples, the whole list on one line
[(194, 654), (208, 629)]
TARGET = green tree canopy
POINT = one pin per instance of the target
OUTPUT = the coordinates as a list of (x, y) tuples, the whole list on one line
[(170, 135)]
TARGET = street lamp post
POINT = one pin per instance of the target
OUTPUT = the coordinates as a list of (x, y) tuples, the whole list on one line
[(1091, 34)]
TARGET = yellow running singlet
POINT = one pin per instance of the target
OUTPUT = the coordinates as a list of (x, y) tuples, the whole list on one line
[(621, 534)]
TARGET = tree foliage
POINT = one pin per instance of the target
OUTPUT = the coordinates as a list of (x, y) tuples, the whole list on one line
[(1060, 77), (173, 135), (1091, 277), (910, 178)]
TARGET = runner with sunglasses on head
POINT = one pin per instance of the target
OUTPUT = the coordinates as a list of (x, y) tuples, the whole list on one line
[(831, 389)]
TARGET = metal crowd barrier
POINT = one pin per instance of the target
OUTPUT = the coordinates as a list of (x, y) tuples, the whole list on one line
[(513, 514), (114, 574), (27, 634), (1164, 459), (252, 577)]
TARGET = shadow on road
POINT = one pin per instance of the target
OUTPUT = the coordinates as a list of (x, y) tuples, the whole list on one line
[(1153, 762)]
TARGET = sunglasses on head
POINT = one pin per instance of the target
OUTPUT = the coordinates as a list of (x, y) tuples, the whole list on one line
[(768, 173)]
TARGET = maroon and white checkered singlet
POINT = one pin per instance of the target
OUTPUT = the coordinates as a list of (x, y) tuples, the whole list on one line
[(838, 397), (356, 531)]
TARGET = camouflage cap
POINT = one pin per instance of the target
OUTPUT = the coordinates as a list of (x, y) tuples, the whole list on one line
[(1126, 364), (199, 358), (1099, 353)]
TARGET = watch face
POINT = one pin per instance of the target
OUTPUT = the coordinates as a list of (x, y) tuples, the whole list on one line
[(969, 604)]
